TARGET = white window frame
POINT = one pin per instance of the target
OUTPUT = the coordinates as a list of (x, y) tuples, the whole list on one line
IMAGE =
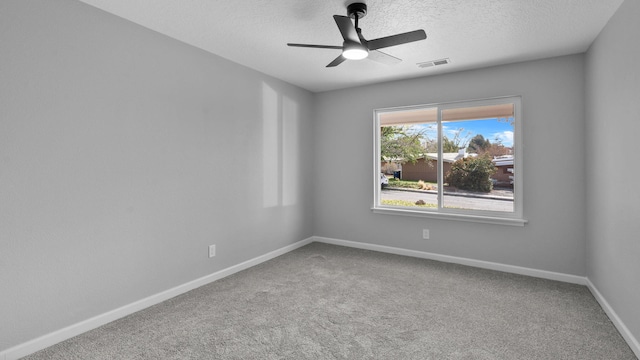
[(514, 218)]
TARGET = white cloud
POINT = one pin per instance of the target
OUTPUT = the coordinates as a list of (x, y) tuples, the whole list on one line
[(506, 137)]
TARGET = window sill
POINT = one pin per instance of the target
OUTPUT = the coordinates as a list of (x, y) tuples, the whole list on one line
[(458, 217)]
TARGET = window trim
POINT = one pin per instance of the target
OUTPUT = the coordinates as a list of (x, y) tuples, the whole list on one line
[(514, 218)]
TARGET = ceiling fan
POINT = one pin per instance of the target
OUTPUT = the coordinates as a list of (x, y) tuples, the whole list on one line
[(356, 47)]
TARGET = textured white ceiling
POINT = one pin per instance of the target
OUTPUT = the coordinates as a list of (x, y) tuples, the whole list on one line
[(471, 33)]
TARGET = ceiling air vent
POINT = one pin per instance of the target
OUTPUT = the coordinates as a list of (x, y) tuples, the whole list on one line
[(431, 63)]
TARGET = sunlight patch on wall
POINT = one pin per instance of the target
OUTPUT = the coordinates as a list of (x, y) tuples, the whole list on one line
[(290, 151), (270, 147), (280, 149)]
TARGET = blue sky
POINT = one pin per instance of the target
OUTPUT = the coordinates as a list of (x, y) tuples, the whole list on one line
[(491, 129)]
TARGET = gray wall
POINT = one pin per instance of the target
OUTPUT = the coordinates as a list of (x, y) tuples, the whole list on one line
[(613, 130), (554, 192), (116, 154)]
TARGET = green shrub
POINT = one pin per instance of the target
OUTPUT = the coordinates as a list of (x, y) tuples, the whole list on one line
[(472, 173)]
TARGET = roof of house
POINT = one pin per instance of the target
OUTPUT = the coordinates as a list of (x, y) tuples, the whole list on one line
[(448, 157), (505, 160)]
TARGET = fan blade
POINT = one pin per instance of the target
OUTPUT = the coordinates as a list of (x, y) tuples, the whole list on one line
[(316, 46), (398, 39), (383, 58), (347, 29), (339, 60)]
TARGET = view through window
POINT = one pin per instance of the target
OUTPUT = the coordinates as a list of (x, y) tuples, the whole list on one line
[(458, 158)]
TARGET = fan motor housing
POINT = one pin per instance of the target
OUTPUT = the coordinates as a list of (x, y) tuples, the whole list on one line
[(357, 9)]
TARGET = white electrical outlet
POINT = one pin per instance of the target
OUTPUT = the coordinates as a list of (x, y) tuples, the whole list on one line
[(212, 251), (425, 234)]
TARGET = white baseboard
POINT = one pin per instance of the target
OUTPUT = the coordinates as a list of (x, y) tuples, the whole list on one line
[(574, 279), (76, 329), (622, 328)]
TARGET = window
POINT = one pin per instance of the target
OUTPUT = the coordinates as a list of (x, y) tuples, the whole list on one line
[(459, 160)]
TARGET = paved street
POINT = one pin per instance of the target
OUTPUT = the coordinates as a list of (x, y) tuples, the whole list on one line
[(449, 201)]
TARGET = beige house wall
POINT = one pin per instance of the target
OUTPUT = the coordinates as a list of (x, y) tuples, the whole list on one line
[(502, 175), (423, 170)]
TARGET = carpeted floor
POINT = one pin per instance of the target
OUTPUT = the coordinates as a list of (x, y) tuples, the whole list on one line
[(330, 302)]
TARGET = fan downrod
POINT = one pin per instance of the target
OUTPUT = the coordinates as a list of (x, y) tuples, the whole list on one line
[(357, 10)]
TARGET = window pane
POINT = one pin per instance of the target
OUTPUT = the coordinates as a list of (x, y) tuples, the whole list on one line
[(408, 149), (478, 161)]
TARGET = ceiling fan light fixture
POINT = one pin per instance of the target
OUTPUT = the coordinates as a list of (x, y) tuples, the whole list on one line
[(356, 47), (355, 51)]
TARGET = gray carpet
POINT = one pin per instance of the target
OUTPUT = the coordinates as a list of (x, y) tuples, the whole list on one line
[(330, 302)]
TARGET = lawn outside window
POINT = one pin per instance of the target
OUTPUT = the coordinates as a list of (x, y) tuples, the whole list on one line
[(455, 161)]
